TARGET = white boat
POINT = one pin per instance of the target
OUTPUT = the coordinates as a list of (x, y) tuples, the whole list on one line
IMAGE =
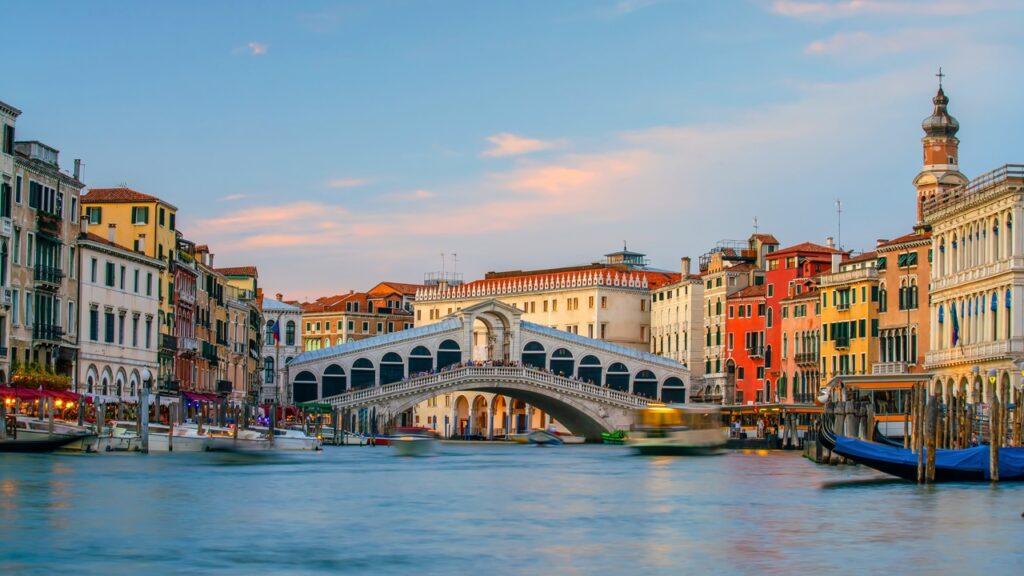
[(289, 439), (413, 441), (116, 438), (223, 439), (544, 438), (678, 430), (31, 428), (185, 439)]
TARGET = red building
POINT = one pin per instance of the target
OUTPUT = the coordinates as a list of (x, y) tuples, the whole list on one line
[(744, 343), (787, 268), (184, 298)]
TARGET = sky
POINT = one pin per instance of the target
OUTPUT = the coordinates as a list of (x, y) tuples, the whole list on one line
[(338, 144)]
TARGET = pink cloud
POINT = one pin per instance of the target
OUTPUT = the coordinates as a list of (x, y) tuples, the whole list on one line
[(508, 144), (851, 8), (341, 183)]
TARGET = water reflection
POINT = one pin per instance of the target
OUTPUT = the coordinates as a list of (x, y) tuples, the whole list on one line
[(506, 509)]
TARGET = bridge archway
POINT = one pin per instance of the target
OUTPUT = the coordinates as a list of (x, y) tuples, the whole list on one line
[(645, 384), (363, 374), (304, 387), (493, 331), (590, 369), (461, 415), (618, 377), (478, 423), (449, 353), (673, 391), (534, 355), (562, 363), (335, 381), (392, 369), (420, 360)]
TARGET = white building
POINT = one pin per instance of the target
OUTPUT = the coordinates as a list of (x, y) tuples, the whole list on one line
[(8, 114), (118, 318), (277, 354), (677, 321)]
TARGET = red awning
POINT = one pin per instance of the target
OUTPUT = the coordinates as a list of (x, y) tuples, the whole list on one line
[(20, 393)]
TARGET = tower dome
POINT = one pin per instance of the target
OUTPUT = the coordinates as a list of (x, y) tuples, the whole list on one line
[(940, 123)]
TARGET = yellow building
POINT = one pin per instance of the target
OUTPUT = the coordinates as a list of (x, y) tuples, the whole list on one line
[(849, 317), (137, 221)]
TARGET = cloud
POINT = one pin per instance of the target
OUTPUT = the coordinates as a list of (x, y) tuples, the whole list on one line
[(234, 197), (420, 194), (256, 48), (341, 183), (829, 10), (866, 45), (623, 7), (508, 144)]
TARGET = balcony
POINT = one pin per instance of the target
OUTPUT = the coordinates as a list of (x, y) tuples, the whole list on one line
[(6, 228), (48, 223), (188, 344), (841, 343), (168, 342), (224, 387), (209, 352), (974, 353), (48, 276), (3, 352), (883, 368), (755, 352), (168, 385), (807, 358), (47, 333), (843, 306)]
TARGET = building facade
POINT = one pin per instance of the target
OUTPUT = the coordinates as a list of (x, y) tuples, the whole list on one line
[(333, 320), (677, 321), (285, 320), (8, 116), (118, 315), (904, 269), (849, 317), (44, 281), (745, 350), (799, 375)]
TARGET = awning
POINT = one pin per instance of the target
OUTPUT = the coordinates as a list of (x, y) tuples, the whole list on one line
[(20, 393), (199, 397), (316, 407)]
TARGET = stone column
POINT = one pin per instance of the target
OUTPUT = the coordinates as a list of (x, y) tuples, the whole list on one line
[(490, 419)]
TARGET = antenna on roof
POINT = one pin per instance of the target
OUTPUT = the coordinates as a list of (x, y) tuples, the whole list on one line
[(455, 263), (755, 224), (839, 223)]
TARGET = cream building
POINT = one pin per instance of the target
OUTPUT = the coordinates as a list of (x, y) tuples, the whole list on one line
[(977, 290), (8, 115), (677, 321), (277, 352), (119, 320)]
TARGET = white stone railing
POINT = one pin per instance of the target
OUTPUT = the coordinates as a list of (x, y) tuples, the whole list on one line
[(845, 276), (889, 368), (975, 352), (958, 279), (486, 373)]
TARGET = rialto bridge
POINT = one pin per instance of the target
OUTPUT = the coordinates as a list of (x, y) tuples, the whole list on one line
[(590, 386)]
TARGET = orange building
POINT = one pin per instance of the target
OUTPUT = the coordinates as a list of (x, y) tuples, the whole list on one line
[(333, 320), (800, 343), (744, 344)]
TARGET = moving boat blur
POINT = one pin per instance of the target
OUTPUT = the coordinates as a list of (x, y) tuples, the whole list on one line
[(678, 429), (414, 441)]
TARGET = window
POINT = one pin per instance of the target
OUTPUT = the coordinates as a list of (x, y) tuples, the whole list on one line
[(92, 270), (149, 331), (149, 283), (140, 215), (15, 297), (171, 220), (108, 327), (771, 290), (135, 278), (352, 324), (8, 140), (366, 327), (604, 302), (161, 215), (135, 330), (123, 272), (74, 209), (120, 329), (94, 324), (94, 214), (109, 276), (289, 332)]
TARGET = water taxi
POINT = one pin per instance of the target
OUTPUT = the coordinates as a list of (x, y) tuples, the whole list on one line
[(677, 429), (414, 441)]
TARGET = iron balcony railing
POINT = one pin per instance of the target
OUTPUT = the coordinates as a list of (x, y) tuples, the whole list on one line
[(842, 342), (168, 385), (48, 274), (807, 358), (755, 351), (224, 387), (168, 342), (47, 332), (495, 375)]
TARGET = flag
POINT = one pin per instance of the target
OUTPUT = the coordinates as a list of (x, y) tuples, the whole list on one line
[(956, 323), (277, 332)]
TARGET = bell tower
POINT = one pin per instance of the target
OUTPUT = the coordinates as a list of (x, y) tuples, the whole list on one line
[(941, 170)]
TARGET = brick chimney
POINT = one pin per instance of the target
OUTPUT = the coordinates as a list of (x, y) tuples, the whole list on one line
[(279, 296), (685, 266)]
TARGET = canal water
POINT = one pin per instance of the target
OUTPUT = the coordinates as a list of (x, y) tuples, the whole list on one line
[(492, 509)]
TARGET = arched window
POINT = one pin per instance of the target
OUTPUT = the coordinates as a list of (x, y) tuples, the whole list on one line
[(533, 355), (363, 374), (289, 333), (392, 368), (618, 377), (645, 384), (448, 354), (268, 370), (334, 380), (304, 387), (89, 384), (590, 370), (562, 363), (420, 360), (268, 336), (781, 387), (673, 391)]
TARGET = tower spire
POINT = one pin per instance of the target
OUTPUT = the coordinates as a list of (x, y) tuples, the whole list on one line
[(940, 151)]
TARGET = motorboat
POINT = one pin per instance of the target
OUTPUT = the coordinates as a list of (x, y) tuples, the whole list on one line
[(80, 438), (963, 465), (291, 439), (414, 441), (184, 439), (116, 438), (616, 437), (678, 429), (544, 438), (31, 442)]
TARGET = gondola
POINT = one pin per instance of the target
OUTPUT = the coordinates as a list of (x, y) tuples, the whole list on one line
[(967, 465), (42, 445)]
